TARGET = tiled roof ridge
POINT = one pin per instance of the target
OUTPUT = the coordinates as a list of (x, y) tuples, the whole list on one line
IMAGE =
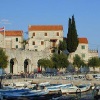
[(14, 30), (12, 33), (45, 27), (83, 40)]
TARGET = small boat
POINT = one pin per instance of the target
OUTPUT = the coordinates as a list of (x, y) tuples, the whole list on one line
[(76, 89), (96, 92), (13, 90), (44, 84), (57, 87), (97, 77), (70, 89), (24, 94), (84, 87)]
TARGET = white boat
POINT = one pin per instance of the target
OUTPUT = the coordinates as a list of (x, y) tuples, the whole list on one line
[(76, 89), (57, 87), (70, 89), (97, 77), (21, 85), (84, 87), (44, 84)]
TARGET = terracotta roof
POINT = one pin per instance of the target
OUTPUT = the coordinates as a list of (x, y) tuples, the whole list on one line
[(83, 40), (13, 33), (45, 27)]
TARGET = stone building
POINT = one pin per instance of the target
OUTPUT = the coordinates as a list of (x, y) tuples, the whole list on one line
[(83, 50), (42, 39), (11, 39)]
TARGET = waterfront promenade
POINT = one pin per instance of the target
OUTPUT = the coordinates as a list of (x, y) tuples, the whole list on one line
[(52, 80)]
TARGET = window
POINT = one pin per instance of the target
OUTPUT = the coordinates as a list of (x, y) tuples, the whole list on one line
[(34, 34), (76, 54), (57, 33), (45, 34), (16, 46), (83, 47), (33, 42), (83, 55), (16, 39), (53, 51), (36, 50), (42, 42)]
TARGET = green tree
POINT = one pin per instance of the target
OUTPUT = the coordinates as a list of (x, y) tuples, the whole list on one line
[(72, 37), (77, 61), (45, 63), (94, 62), (99, 64), (62, 46), (3, 61), (60, 60), (24, 42)]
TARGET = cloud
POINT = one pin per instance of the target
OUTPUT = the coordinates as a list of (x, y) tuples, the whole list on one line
[(5, 21)]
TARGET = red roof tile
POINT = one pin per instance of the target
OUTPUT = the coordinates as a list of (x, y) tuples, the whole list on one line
[(12, 33), (83, 40), (45, 27)]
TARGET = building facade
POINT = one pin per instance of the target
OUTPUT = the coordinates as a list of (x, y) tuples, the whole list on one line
[(44, 37), (11, 39), (83, 51), (40, 44)]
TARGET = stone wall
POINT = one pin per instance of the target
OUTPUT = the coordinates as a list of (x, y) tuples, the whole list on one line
[(19, 56)]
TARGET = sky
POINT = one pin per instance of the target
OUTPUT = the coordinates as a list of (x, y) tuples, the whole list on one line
[(18, 14)]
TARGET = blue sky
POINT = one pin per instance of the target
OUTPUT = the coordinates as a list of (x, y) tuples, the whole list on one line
[(18, 14)]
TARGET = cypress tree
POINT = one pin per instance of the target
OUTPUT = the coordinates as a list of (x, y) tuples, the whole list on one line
[(72, 37)]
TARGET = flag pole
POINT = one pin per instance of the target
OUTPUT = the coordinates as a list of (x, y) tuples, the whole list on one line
[(4, 37)]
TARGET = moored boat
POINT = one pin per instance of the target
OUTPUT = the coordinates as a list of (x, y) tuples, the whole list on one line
[(57, 87), (70, 89), (84, 87), (24, 94), (44, 84), (76, 89)]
